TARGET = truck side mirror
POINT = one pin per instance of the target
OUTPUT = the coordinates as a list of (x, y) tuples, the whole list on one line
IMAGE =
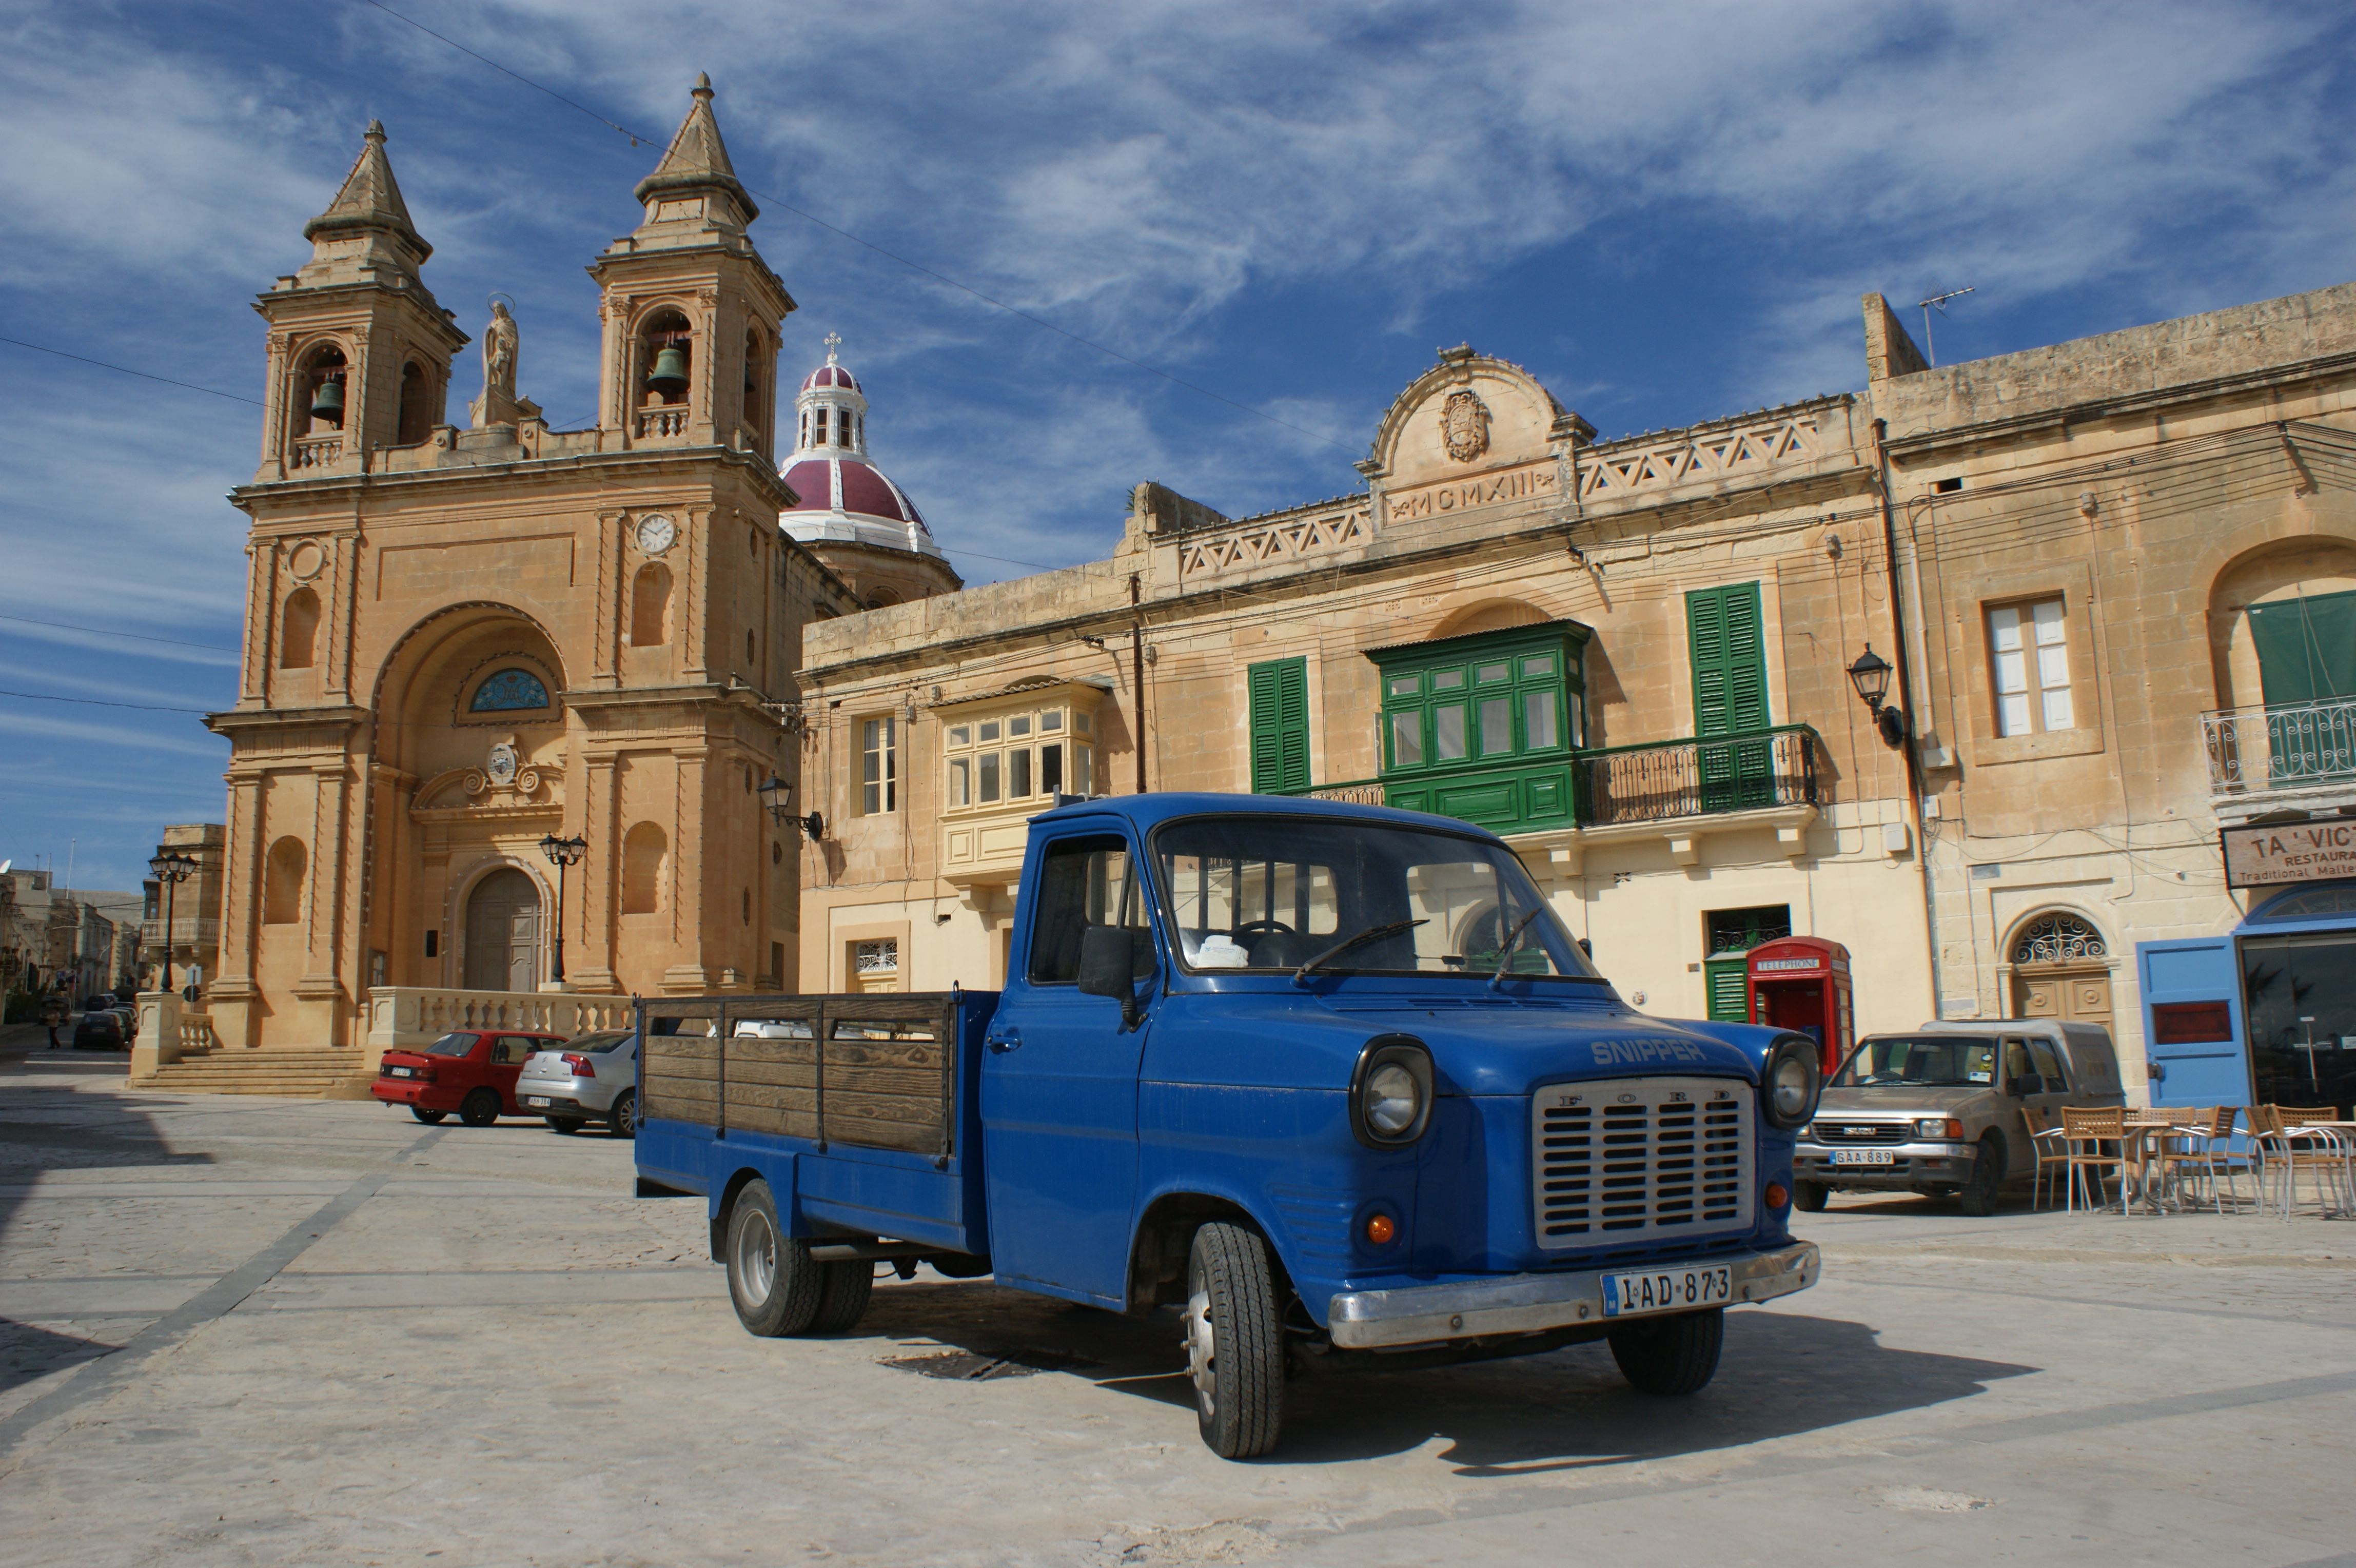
[(1108, 966)]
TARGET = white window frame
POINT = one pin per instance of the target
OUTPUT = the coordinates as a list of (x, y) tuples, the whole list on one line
[(879, 765), (2028, 667)]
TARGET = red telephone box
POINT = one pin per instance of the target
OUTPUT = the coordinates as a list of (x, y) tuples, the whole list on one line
[(1803, 983)]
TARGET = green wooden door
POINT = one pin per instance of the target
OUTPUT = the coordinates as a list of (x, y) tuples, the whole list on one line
[(1280, 726), (2307, 657), (1726, 633)]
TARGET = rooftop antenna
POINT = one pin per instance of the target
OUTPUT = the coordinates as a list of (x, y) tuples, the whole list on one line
[(1937, 302)]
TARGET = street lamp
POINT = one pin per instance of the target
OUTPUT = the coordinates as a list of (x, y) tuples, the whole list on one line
[(778, 796), (1870, 676), (561, 853), (171, 870)]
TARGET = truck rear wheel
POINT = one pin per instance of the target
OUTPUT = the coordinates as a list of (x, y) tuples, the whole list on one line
[(1235, 1341), (771, 1279), (1808, 1196), (1670, 1355), (842, 1297)]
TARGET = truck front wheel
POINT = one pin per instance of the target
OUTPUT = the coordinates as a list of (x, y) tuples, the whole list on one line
[(1979, 1194), (1235, 1341), (1808, 1196), (770, 1275), (1670, 1355)]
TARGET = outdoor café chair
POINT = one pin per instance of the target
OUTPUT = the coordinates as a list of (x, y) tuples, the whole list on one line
[(2095, 1141), (2052, 1150)]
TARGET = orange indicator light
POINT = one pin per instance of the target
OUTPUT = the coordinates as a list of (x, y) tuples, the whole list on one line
[(1776, 1196), (1380, 1228)]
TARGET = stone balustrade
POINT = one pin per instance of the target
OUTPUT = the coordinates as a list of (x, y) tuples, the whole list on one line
[(402, 1017)]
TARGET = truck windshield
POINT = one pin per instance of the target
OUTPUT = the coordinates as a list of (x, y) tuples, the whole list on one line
[(1919, 1061), (1268, 893)]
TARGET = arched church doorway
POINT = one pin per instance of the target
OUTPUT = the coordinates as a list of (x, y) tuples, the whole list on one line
[(2061, 969), (503, 933)]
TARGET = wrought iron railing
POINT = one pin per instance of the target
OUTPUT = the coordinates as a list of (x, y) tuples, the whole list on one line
[(1662, 781), (2289, 745), (1659, 781)]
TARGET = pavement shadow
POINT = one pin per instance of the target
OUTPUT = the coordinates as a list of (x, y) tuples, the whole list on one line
[(1782, 1374)]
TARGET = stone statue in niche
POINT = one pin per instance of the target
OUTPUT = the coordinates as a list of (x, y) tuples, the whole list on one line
[(1464, 425), (499, 350)]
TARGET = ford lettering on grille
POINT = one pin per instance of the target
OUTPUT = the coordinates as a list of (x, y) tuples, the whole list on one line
[(1631, 1159)]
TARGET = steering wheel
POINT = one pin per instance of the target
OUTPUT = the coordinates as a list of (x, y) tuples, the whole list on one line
[(1262, 928)]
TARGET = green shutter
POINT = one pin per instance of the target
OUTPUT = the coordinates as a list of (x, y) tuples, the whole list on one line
[(1280, 726), (1724, 977), (2306, 647), (1730, 660)]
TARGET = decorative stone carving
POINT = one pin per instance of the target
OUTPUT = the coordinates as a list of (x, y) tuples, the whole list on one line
[(1464, 425), (500, 765), (499, 344)]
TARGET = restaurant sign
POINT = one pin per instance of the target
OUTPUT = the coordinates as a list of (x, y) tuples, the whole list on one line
[(2290, 852)]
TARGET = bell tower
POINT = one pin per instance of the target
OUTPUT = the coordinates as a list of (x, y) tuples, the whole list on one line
[(359, 352), (691, 310)]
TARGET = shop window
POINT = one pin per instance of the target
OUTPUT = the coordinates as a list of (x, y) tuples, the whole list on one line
[(1729, 935), (298, 630), (879, 766), (1031, 755), (2028, 653), (645, 849), (282, 891), (1279, 693)]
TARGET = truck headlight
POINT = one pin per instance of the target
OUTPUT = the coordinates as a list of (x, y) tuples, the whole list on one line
[(1939, 1127), (1787, 1089), (1390, 1091)]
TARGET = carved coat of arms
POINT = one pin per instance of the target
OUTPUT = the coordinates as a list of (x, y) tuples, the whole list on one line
[(1464, 425)]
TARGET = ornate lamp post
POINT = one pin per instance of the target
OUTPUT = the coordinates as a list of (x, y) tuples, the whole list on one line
[(561, 853), (1871, 675), (171, 870)]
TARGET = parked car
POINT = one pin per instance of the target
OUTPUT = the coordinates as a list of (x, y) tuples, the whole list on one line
[(130, 1017), (102, 1029), (588, 1078), (1938, 1110), (97, 1003), (470, 1071)]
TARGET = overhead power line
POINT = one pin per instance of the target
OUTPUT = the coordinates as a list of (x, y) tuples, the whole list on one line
[(127, 370), (637, 137), (101, 631), (99, 702)]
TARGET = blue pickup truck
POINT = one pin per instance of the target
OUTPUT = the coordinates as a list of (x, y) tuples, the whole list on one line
[(1332, 1080)]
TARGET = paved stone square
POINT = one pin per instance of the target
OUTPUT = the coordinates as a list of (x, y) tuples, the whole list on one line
[(251, 1331)]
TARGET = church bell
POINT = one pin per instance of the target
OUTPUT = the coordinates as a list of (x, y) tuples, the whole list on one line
[(669, 374), (328, 402)]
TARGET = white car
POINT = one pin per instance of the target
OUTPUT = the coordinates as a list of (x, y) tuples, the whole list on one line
[(591, 1078)]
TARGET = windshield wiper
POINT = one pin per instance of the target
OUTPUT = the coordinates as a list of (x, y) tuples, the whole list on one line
[(1371, 934), (1512, 941)]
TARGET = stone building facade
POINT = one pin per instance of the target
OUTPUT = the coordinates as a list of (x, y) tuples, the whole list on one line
[(193, 907), (464, 637), (1633, 660)]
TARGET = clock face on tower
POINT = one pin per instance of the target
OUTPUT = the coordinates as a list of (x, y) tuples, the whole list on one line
[(654, 534)]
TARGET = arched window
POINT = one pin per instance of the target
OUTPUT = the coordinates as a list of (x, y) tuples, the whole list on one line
[(508, 690), (758, 380), (644, 851), (416, 420), (298, 630), (650, 605), (282, 893), (2058, 937), (666, 358), (321, 389)]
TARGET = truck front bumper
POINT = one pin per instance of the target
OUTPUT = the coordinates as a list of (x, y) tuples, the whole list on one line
[(1529, 1303)]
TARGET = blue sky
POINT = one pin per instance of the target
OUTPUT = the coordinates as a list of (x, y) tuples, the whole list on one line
[(1667, 212)]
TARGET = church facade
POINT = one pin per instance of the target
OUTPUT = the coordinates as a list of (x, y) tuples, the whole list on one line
[(467, 640)]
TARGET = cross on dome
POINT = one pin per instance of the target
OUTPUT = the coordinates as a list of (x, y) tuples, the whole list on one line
[(833, 341)]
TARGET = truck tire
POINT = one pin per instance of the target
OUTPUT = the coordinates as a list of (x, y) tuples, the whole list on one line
[(1235, 1341), (1808, 1196), (842, 1295), (428, 1117), (479, 1109), (770, 1276), (1978, 1194), (1670, 1355)]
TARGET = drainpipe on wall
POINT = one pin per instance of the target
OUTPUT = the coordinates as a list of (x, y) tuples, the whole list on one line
[(1906, 710)]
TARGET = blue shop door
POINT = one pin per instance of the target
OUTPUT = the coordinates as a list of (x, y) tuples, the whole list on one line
[(1059, 1090), (2192, 1021)]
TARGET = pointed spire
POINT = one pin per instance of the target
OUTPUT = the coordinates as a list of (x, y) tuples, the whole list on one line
[(370, 199), (697, 158)]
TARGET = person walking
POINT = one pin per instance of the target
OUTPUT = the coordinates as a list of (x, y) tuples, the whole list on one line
[(53, 1015)]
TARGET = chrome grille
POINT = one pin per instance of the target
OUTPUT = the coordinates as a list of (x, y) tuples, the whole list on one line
[(1825, 1131), (1622, 1159)]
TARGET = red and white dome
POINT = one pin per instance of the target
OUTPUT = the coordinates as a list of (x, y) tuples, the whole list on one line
[(843, 497)]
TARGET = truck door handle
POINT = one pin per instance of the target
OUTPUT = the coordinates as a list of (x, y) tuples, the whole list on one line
[(1008, 1040)]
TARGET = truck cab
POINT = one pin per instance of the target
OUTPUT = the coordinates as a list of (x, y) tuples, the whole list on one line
[(1333, 1081)]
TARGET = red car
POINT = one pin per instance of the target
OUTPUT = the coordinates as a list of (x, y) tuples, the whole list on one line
[(472, 1072)]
